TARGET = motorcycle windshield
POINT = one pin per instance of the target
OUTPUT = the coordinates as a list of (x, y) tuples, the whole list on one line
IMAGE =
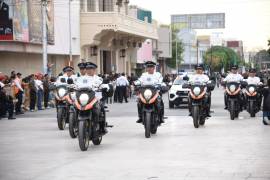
[(84, 83)]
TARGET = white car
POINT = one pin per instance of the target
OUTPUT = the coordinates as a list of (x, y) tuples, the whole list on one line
[(178, 95)]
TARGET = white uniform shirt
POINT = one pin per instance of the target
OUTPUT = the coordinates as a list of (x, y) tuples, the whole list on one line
[(122, 81), (233, 78), (253, 80), (151, 79), (17, 82), (202, 78), (2, 84), (38, 84), (89, 81)]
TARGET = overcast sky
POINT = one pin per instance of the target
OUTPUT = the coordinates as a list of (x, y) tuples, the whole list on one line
[(247, 20)]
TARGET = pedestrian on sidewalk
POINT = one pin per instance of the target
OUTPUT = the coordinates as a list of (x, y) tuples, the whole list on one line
[(266, 103), (18, 93), (46, 85), (33, 92), (40, 91), (122, 84)]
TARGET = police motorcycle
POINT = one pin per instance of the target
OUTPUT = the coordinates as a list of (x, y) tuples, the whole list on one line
[(253, 99), (152, 107), (91, 114), (234, 97), (63, 102), (199, 100), (73, 113)]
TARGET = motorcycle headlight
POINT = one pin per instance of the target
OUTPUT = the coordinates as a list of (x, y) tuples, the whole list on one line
[(197, 91), (232, 88), (251, 90), (73, 96), (61, 92), (84, 98), (147, 94)]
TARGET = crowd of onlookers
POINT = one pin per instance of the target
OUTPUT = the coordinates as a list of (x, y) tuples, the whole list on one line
[(19, 94)]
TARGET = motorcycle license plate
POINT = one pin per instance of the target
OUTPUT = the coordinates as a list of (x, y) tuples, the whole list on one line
[(98, 95), (185, 99)]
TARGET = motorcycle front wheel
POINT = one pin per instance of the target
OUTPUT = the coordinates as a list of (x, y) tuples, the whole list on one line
[(252, 109), (147, 125), (61, 121), (232, 110), (195, 116), (84, 135), (73, 127)]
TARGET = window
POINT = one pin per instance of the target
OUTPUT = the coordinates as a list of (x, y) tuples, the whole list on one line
[(106, 5), (91, 6), (82, 5)]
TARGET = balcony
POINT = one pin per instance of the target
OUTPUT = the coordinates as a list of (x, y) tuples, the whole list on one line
[(94, 23)]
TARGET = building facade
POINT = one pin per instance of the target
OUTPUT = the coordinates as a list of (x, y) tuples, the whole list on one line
[(22, 52), (112, 32)]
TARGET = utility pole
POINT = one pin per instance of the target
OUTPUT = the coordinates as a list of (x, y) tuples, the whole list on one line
[(70, 36), (44, 35), (197, 44), (176, 56)]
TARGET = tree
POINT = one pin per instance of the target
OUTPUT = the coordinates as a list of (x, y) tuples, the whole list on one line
[(180, 49), (268, 47), (218, 57)]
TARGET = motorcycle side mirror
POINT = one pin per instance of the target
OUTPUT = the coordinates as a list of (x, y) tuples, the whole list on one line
[(185, 78), (70, 81), (63, 80)]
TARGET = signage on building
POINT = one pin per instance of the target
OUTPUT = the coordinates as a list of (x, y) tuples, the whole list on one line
[(6, 27), (22, 21), (198, 21)]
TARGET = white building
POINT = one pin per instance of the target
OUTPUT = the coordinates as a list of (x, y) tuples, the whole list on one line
[(111, 34)]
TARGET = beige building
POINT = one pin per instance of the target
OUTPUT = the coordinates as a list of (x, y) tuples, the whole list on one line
[(111, 33)]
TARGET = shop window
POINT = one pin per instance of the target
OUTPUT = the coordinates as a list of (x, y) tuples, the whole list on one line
[(91, 6), (106, 5)]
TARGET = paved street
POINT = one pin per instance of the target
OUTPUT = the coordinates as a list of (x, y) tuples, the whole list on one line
[(32, 148)]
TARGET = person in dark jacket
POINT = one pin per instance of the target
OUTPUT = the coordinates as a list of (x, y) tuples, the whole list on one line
[(46, 87), (33, 92), (266, 104)]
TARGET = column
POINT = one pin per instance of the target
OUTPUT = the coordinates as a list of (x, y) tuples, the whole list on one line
[(117, 60), (98, 61), (97, 5)]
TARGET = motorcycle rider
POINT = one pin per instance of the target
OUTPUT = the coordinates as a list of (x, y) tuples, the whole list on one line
[(82, 67), (201, 78), (234, 76), (253, 79), (95, 82), (154, 78), (68, 75)]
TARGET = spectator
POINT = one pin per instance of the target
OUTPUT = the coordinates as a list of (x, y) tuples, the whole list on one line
[(122, 84), (46, 86), (33, 92), (18, 93), (40, 91), (25, 84)]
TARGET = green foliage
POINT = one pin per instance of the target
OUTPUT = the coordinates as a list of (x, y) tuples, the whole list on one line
[(180, 49), (218, 57), (268, 47)]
